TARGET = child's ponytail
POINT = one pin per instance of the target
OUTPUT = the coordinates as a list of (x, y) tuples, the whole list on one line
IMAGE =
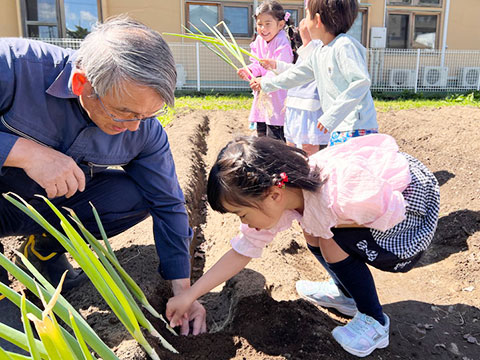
[(248, 167), (295, 39)]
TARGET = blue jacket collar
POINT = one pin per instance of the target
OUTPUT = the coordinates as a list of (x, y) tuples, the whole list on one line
[(62, 86)]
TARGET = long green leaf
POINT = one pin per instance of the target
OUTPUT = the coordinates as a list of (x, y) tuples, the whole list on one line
[(20, 339), (39, 219), (236, 47), (107, 260), (81, 341), (61, 307), (218, 50), (104, 282), (210, 39), (30, 284), (131, 284), (102, 231), (32, 346), (94, 270), (4, 355)]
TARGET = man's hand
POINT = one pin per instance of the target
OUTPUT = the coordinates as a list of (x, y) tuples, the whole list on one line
[(255, 84), (321, 127), (181, 310), (57, 173), (243, 73), (268, 64)]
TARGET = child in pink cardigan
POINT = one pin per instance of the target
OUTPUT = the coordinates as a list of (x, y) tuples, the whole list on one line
[(271, 42), (361, 202)]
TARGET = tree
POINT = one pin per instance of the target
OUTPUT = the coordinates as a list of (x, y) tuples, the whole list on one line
[(79, 33)]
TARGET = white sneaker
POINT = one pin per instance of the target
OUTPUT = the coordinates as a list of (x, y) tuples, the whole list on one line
[(362, 335), (326, 294)]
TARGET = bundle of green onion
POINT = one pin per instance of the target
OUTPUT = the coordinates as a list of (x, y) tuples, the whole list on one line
[(103, 269), (54, 339), (216, 43)]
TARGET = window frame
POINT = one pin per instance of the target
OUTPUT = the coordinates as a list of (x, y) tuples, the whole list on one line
[(411, 25), (249, 17), (365, 13), (415, 3), (220, 6), (61, 23), (300, 9)]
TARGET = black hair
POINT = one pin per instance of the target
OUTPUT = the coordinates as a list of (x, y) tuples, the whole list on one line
[(337, 16), (276, 10), (248, 167), (295, 40)]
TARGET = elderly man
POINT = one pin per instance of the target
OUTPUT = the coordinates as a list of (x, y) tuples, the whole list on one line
[(65, 116)]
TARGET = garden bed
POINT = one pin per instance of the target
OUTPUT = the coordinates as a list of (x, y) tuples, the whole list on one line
[(258, 315)]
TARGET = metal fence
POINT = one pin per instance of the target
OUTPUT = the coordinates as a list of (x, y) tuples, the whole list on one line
[(391, 70), (62, 42), (424, 70)]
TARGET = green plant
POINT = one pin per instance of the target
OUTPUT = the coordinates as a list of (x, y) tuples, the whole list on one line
[(216, 44), (103, 269), (61, 307)]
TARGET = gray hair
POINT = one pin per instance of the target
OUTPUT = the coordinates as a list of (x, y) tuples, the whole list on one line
[(123, 49)]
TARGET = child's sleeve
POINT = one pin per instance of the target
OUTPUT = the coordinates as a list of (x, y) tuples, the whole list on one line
[(251, 242), (352, 65), (282, 66), (297, 75)]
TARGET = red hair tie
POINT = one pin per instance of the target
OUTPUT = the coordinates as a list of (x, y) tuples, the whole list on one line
[(281, 183)]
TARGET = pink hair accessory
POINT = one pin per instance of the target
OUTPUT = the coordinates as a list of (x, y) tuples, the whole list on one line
[(281, 183), (287, 16)]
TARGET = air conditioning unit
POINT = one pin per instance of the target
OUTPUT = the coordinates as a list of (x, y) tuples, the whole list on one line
[(401, 78), (470, 77), (181, 76), (434, 76)]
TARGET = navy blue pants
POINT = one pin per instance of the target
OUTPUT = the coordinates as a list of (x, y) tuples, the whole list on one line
[(271, 131), (116, 197), (359, 243)]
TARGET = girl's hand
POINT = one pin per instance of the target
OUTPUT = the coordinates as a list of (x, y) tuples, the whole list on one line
[(320, 126), (269, 64), (255, 84), (243, 73), (177, 308)]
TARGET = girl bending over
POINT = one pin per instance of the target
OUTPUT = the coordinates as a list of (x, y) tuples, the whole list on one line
[(360, 202)]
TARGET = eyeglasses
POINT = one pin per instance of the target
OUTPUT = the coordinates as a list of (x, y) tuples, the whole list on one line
[(163, 111)]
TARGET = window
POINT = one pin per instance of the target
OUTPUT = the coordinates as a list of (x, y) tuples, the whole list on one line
[(80, 16), (397, 31), (198, 14), (237, 16), (425, 31), (59, 18), (413, 30), (358, 29), (436, 3), (237, 19), (293, 16), (41, 18)]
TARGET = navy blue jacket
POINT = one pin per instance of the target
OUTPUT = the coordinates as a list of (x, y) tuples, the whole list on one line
[(37, 103)]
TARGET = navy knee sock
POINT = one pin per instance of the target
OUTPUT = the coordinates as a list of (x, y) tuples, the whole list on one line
[(358, 280), (318, 254)]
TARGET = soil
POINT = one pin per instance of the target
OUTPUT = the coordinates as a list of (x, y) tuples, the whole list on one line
[(434, 308)]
